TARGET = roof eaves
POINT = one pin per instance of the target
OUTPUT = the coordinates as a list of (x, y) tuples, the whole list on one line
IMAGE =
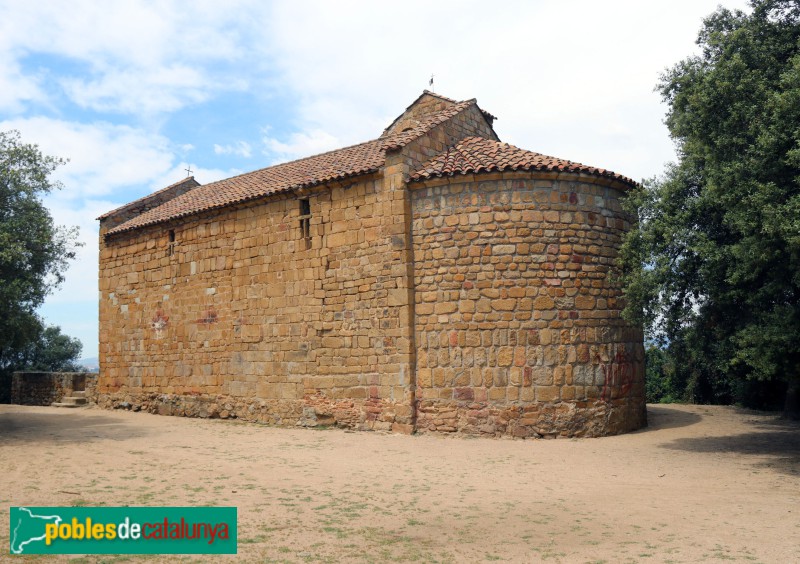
[(446, 164), (149, 196), (423, 176)]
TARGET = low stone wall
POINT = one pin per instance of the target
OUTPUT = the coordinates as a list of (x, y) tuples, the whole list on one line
[(90, 386), (44, 388)]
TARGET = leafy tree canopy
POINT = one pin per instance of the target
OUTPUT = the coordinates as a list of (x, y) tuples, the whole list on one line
[(50, 351), (33, 251), (713, 270)]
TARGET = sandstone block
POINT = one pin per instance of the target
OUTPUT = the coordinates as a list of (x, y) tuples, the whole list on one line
[(547, 393)]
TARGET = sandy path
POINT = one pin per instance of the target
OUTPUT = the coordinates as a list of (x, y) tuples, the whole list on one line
[(700, 484)]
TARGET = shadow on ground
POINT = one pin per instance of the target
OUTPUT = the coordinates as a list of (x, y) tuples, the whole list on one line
[(660, 417), (63, 426), (771, 437)]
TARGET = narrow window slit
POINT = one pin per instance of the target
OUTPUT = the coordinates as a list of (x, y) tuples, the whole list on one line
[(305, 221)]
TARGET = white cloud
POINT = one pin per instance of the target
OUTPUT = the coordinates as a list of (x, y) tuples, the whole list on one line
[(201, 174), (241, 148), (15, 87), (133, 90), (103, 158), (300, 145), (578, 88), (136, 57), (80, 285)]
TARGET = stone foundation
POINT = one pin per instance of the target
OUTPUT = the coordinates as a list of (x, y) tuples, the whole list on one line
[(547, 420), (314, 410)]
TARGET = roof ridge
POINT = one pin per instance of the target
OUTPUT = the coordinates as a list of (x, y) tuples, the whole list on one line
[(403, 138), (301, 159), (432, 93), (240, 175), (424, 92)]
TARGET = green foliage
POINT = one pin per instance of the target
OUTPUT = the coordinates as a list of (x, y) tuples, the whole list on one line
[(52, 352), (33, 251), (48, 351), (659, 373), (33, 257), (713, 271)]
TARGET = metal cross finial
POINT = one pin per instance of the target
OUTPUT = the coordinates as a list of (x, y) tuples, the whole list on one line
[(430, 83), (188, 170)]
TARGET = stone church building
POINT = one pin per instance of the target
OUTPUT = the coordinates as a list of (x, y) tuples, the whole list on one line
[(432, 279)]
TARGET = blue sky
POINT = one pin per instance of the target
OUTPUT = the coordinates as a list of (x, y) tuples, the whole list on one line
[(134, 92)]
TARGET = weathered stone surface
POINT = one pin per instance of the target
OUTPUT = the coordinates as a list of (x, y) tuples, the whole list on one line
[(549, 334), (46, 388), (449, 305)]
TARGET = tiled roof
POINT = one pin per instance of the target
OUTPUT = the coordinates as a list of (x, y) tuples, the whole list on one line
[(402, 138), (476, 154), (151, 196), (334, 165)]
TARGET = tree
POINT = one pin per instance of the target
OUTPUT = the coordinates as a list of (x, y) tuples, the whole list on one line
[(53, 352), (50, 351), (713, 270), (34, 252)]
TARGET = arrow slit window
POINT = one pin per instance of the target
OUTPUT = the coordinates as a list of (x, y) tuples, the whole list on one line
[(305, 222)]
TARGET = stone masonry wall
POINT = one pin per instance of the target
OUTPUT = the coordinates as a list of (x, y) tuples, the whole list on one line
[(478, 304), (468, 123), (518, 326), (242, 316), (422, 108), (44, 388)]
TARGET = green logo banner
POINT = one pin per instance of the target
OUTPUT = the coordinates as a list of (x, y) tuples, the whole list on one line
[(123, 530)]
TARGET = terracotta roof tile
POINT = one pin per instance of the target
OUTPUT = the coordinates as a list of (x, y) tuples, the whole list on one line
[(152, 195), (334, 165), (476, 154), (402, 138)]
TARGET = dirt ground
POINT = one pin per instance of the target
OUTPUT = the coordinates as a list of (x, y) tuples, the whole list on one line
[(699, 484)]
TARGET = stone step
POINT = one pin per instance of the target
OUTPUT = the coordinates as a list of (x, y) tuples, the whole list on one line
[(71, 401), (81, 394), (77, 400)]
